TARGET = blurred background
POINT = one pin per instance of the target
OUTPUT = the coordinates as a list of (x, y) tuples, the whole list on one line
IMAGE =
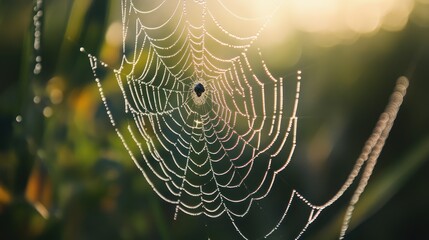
[(64, 174)]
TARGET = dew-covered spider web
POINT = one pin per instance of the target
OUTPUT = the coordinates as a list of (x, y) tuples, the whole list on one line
[(210, 126)]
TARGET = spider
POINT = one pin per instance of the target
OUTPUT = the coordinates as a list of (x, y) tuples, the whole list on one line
[(199, 89)]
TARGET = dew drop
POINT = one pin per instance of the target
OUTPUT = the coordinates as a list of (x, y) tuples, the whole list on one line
[(47, 112), (37, 68), (36, 99)]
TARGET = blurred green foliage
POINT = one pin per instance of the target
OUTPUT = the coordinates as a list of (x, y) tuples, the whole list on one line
[(65, 175)]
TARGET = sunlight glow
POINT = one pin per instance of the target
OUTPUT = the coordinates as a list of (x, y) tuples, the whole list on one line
[(337, 21), (361, 16)]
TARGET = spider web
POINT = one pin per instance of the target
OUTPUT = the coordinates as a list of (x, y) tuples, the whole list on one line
[(218, 153)]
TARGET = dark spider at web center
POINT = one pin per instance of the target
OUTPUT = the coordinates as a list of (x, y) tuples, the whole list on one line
[(199, 89)]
